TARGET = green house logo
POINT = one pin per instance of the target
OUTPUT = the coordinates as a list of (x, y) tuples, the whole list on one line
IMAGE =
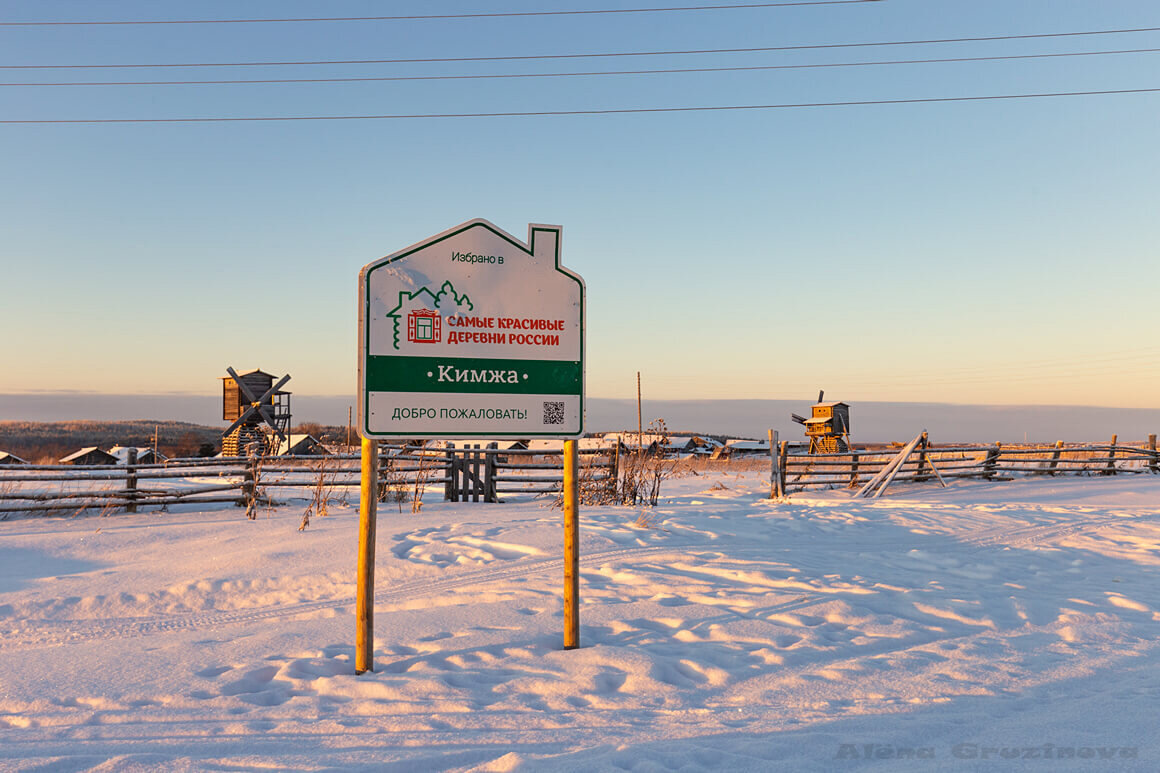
[(424, 312)]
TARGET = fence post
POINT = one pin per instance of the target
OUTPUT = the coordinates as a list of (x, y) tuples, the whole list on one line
[(131, 481), (1152, 466), (853, 468), (473, 483), (249, 482), (783, 451), (992, 460), (464, 483), (614, 469), (1055, 457), (384, 472), (774, 475), (1111, 468), (489, 494), (449, 481), (918, 474)]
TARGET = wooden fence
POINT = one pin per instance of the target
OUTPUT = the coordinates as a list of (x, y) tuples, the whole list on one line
[(483, 474), (466, 473), (989, 462)]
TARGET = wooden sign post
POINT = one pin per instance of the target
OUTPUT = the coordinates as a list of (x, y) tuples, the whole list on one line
[(571, 546), (364, 640)]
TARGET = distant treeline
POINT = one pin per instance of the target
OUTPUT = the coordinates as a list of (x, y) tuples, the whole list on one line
[(46, 442)]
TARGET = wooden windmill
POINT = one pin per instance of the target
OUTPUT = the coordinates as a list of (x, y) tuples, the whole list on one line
[(828, 428), (251, 401)]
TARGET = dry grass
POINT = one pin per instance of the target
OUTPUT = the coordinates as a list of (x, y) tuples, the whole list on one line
[(426, 467), (321, 497), (393, 485)]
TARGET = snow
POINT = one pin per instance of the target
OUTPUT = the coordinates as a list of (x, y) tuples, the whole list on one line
[(924, 630)]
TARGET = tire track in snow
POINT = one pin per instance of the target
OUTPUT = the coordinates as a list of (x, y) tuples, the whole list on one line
[(52, 633), (1018, 537)]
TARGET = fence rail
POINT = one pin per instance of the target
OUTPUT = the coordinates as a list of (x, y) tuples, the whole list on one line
[(255, 480), (484, 473)]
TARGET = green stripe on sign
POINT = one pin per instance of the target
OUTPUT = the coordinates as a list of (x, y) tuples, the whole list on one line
[(453, 374)]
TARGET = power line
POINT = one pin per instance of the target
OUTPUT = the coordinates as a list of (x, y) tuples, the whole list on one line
[(590, 73), (511, 58), (441, 16), (610, 111)]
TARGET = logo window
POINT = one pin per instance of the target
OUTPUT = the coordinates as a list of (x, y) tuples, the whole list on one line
[(424, 327)]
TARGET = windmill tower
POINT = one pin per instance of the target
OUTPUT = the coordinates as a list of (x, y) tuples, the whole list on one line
[(259, 410), (828, 428)]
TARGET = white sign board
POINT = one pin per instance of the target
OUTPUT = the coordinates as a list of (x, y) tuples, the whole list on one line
[(472, 333)]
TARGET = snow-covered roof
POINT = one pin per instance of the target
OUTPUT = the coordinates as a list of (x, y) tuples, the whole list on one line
[(831, 405), (818, 420), (292, 442), (633, 439), (557, 446), (256, 371), (7, 458), (122, 453), (84, 451), (748, 445)]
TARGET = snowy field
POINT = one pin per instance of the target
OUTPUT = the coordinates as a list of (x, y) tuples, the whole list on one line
[(985, 626)]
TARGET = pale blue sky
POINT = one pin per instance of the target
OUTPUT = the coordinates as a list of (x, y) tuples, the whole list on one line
[(984, 252)]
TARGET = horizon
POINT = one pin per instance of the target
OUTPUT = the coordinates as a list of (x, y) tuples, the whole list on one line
[(351, 396), (871, 421)]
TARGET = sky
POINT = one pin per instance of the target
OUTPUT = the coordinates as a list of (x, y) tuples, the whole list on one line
[(984, 251)]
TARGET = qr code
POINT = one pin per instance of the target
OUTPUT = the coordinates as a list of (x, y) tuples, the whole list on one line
[(553, 412)]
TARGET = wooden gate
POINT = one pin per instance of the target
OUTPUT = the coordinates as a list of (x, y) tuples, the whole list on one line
[(471, 474)]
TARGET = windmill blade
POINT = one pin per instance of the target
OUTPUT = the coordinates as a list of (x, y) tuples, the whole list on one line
[(821, 394), (250, 395), (798, 419), (281, 382), (241, 419)]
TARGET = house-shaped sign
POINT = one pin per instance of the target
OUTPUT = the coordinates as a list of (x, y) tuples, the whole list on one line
[(472, 333)]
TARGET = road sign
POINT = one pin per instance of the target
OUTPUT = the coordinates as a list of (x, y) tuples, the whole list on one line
[(472, 333)]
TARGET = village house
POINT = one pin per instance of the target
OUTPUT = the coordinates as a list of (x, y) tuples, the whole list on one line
[(144, 455), (747, 447), (301, 445), (631, 441), (556, 447), (90, 455)]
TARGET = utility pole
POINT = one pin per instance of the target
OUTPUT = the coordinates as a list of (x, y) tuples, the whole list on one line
[(639, 425)]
